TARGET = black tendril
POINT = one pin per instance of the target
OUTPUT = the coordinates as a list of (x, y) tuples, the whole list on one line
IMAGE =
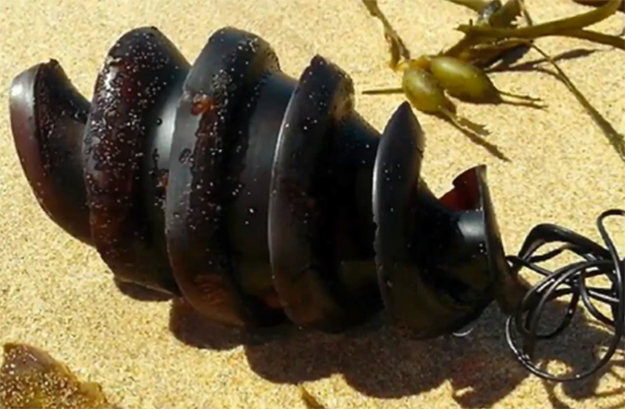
[(569, 280)]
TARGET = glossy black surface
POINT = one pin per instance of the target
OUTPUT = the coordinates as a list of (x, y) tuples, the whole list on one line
[(48, 117), (261, 198), (224, 78), (132, 82), (311, 201), (440, 261)]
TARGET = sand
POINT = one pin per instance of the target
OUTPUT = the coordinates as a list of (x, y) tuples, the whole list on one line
[(58, 295)]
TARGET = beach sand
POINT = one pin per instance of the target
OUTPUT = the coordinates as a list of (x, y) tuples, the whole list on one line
[(57, 294)]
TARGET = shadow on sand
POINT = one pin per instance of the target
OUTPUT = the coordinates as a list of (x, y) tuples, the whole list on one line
[(378, 362)]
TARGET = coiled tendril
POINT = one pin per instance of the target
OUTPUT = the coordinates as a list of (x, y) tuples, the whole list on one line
[(568, 280)]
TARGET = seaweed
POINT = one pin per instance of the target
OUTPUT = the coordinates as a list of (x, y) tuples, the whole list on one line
[(461, 71), (30, 378)]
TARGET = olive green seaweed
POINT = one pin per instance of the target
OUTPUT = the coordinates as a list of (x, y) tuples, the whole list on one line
[(31, 379), (501, 16), (397, 47), (555, 27), (460, 71)]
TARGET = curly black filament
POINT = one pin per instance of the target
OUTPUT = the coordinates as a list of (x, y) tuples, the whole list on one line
[(570, 280)]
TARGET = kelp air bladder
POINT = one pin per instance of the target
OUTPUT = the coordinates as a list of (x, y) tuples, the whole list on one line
[(259, 198)]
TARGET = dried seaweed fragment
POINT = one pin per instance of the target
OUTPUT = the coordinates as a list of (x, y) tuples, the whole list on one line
[(309, 400), (31, 379), (397, 48)]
